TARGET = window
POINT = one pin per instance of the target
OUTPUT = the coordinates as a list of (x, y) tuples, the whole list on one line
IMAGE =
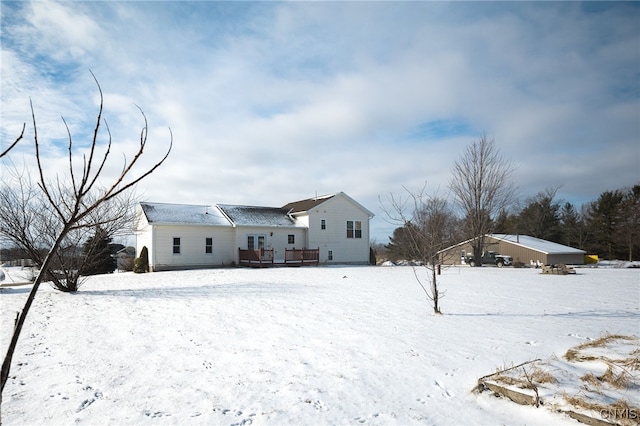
[(323, 224), (208, 245), (176, 246), (291, 239), (252, 239), (330, 255), (354, 229)]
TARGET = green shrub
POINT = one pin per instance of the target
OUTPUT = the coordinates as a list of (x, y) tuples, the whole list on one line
[(141, 264)]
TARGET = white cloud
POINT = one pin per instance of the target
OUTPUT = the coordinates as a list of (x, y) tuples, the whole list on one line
[(271, 102)]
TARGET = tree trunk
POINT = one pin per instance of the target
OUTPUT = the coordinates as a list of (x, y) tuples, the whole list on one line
[(6, 364)]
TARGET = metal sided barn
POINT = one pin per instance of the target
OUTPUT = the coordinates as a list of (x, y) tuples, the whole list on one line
[(523, 248)]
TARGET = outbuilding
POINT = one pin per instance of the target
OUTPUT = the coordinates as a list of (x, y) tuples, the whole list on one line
[(523, 248)]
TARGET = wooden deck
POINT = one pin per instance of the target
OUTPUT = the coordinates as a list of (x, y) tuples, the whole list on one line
[(264, 258)]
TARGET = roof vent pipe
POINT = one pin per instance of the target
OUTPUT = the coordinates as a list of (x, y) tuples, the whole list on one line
[(518, 238)]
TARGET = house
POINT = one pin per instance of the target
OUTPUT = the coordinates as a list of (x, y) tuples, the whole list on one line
[(124, 258), (523, 249), (328, 229)]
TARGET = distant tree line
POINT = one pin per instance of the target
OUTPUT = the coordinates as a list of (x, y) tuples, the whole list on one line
[(483, 201), (608, 226)]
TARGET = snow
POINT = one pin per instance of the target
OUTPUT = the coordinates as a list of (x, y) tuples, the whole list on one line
[(544, 246), (259, 216), (183, 214), (312, 345)]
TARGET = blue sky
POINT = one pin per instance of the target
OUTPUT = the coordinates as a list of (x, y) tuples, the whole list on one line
[(272, 102)]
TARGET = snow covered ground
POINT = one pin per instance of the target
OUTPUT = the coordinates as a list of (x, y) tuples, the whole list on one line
[(314, 345)]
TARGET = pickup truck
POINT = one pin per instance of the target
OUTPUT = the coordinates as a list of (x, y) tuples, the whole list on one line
[(490, 258)]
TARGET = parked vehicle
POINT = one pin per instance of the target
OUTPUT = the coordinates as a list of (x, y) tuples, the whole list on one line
[(490, 258)]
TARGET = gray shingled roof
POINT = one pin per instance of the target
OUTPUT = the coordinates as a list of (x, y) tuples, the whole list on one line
[(183, 214), (306, 205), (258, 216)]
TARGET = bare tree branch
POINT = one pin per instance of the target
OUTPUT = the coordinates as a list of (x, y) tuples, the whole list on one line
[(427, 225), (80, 206), (6, 151)]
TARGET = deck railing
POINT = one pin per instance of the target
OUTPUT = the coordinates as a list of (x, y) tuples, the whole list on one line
[(260, 257), (302, 256), (292, 257)]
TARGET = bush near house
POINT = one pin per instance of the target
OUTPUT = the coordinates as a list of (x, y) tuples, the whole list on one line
[(141, 264)]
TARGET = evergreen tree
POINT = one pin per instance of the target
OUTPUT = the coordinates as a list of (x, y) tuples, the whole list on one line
[(98, 256), (541, 217), (141, 264), (403, 245), (629, 223), (604, 219), (571, 226), (506, 223)]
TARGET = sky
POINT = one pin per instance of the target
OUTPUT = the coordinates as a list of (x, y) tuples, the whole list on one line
[(273, 102)]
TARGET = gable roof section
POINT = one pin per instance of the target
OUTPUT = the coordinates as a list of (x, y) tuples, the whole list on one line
[(532, 243), (304, 206), (537, 244), (258, 216), (237, 215), (182, 214)]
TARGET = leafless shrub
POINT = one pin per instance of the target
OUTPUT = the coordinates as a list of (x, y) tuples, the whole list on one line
[(426, 226)]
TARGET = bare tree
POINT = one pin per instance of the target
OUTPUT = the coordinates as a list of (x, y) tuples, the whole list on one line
[(28, 221), (73, 205), (428, 225), (482, 186)]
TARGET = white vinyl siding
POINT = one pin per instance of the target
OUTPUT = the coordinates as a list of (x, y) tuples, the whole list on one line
[(192, 247), (144, 234), (336, 212), (274, 238)]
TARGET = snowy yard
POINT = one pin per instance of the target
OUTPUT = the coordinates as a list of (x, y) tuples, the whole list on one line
[(315, 345)]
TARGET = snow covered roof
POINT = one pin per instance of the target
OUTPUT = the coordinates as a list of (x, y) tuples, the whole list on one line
[(183, 214), (543, 246), (234, 215), (258, 216)]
